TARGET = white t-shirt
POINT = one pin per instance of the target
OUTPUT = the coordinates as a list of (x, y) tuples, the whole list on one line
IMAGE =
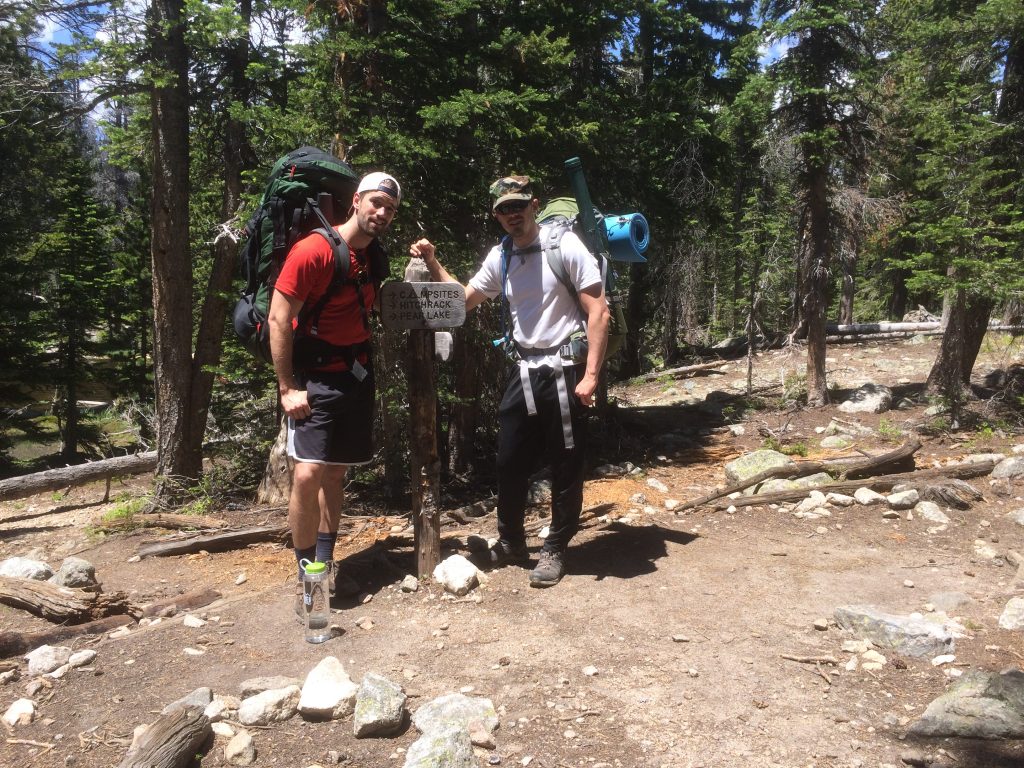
[(544, 313)]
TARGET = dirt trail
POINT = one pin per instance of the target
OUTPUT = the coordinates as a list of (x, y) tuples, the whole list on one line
[(685, 618)]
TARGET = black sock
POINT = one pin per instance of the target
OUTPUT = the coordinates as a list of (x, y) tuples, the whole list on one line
[(306, 553), (325, 546)]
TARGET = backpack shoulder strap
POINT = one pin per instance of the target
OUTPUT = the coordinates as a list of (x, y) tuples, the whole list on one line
[(342, 264), (551, 244)]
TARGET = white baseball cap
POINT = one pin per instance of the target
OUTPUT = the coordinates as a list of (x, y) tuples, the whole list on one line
[(380, 182)]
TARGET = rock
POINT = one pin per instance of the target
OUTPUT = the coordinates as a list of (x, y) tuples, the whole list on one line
[(455, 709), (24, 568), (638, 498), (448, 747), (737, 430), (193, 622), (946, 658), (222, 729), (672, 504), (590, 671), (610, 470), (410, 583), (814, 500), (755, 463), (891, 514), (76, 573), (931, 511), (222, 708), (81, 658), (457, 575), (328, 693), (47, 658), (840, 499), (273, 706), (380, 707), (240, 750), (869, 398), (836, 442), (777, 485), (21, 712), (1009, 468), (903, 499), (1017, 516), (656, 484), (906, 635), (1012, 616), (200, 697), (821, 625), (949, 601), (981, 705), (255, 685), (868, 496), (984, 551)]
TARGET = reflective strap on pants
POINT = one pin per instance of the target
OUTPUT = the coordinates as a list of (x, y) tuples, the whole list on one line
[(563, 405), (524, 377)]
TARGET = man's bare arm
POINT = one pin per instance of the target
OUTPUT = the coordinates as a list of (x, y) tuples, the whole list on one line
[(424, 249), (598, 319), (283, 310)]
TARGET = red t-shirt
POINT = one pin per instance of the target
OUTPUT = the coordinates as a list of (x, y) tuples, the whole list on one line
[(305, 275)]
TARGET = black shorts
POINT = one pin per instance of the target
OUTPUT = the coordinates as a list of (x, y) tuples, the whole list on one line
[(339, 429)]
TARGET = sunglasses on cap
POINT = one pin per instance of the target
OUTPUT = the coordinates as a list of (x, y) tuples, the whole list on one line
[(511, 206)]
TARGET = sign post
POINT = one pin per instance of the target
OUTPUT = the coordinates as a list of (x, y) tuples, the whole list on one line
[(421, 307)]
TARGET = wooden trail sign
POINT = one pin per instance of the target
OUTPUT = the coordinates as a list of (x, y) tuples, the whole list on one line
[(422, 306)]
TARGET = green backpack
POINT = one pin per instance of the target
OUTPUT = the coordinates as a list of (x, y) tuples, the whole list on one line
[(304, 189)]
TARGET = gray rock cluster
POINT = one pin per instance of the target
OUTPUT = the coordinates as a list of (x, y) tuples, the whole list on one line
[(450, 726)]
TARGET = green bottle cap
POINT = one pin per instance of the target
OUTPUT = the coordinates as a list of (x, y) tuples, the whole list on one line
[(312, 568)]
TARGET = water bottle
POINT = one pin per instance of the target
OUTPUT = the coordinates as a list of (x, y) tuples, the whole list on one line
[(315, 601)]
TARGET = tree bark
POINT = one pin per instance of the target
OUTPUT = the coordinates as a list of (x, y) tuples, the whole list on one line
[(63, 604), (179, 454), (276, 485), (817, 257), (237, 156), (170, 741)]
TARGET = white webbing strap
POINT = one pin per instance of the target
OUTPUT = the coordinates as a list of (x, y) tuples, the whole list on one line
[(524, 377), (563, 405)]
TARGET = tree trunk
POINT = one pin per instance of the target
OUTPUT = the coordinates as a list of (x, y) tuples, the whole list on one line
[(817, 255), (237, 156), (392, 394), (180, 457), (979, 310), (170, 741), (276, 485), (946, 378)]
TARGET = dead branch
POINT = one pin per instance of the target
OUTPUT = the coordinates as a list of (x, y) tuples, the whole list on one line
[(883, 482), (161, 520), (683, 371), (844, 468), (186, 602), (217, 542), (810, 659)]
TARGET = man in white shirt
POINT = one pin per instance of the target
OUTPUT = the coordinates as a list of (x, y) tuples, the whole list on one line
[(559, 342)]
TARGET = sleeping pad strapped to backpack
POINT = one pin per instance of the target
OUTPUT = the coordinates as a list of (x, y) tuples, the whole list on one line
[(304, 190)]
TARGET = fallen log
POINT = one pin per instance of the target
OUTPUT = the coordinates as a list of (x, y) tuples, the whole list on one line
[(63, 604), (187, 602), (880, 482), (217, 542), (161, 520), (170, 741), (882, 327), (677, 372), (18, 643), (842, 468), (64, 477)]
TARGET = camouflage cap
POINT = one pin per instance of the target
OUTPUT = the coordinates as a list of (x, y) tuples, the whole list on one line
[(511, 188)]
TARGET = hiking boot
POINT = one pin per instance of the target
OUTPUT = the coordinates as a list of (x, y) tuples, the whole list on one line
[(502, 553), (549, 569)]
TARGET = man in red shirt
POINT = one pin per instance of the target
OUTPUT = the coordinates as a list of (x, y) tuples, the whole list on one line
[(324, 368)]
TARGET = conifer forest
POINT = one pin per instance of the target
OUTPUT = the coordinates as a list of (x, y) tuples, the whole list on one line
[(801, 163)]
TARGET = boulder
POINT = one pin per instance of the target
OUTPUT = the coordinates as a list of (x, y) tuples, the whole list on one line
[(755, 463), (380, 707), (981, 705), (906, 635), (869, 398)]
